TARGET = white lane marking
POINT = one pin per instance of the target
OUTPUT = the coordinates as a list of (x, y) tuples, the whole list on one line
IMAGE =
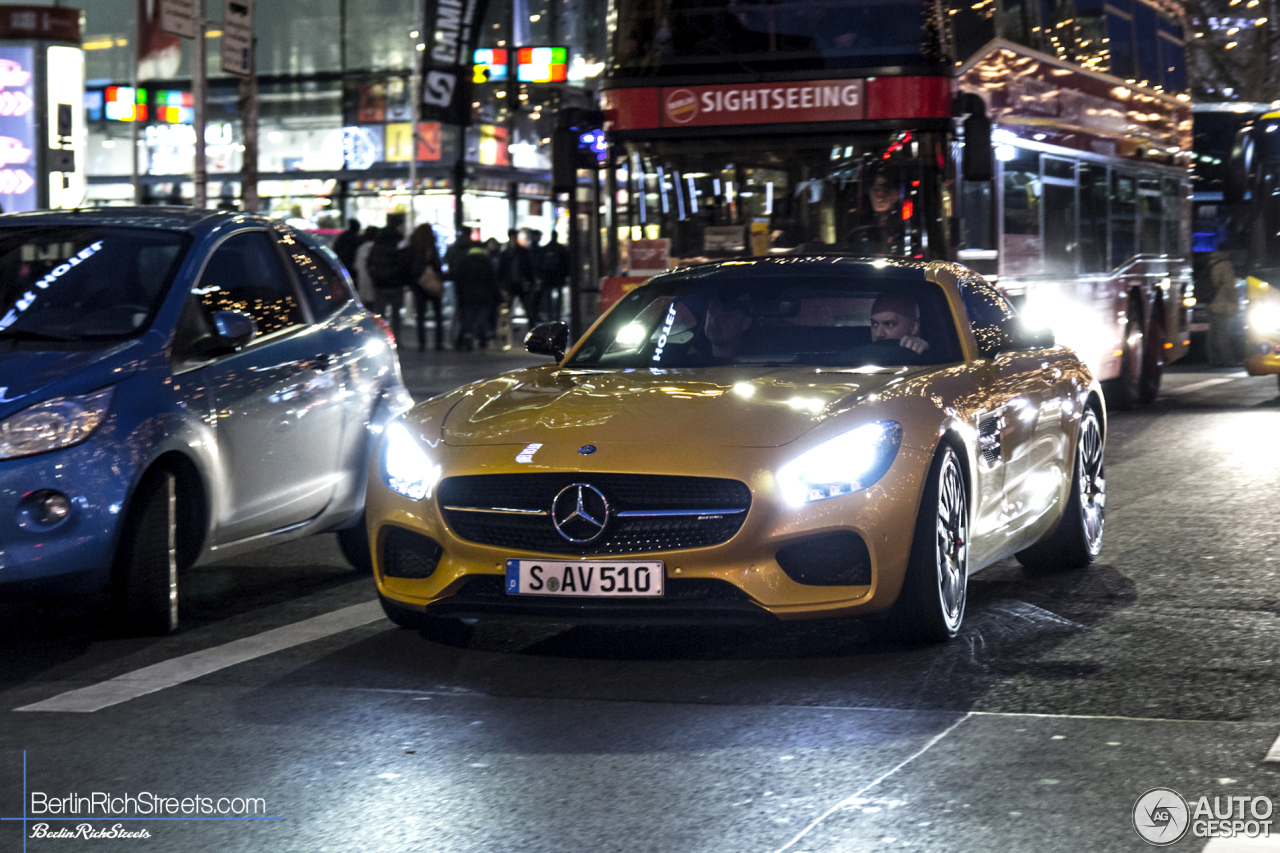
[(1243, 845), (1206, 383), (1274, 753), (173, 672), (867, 787)]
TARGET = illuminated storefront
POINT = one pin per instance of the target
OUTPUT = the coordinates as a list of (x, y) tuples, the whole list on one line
[(336, 127)]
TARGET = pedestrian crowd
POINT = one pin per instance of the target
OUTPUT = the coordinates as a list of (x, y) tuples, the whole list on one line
[(386, 262)]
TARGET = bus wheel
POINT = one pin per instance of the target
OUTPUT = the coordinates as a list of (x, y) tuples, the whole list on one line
[(1124, 392), (1153, 364)]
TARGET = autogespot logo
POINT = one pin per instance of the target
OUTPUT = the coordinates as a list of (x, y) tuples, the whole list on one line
[(1161, 816)]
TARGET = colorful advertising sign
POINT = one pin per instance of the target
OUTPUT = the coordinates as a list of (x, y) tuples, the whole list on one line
[(542, 64), (489, 65), (17, 129)]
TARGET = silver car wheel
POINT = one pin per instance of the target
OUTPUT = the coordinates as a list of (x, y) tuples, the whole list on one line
[(1093, 480)]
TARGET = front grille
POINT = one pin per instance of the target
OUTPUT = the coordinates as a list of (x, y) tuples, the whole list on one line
[(724, 505)]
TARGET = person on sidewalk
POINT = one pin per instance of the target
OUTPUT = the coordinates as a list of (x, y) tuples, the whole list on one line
[(475, 285), (516, 276), (364, 281), (555, 273), (1223, 310), (347, 243), (389, 268), (425, 255)]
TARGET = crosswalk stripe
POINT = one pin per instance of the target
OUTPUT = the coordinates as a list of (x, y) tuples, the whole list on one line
[(1206, 383), (179, 670)]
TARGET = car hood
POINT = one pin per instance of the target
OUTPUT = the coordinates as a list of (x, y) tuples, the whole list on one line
[(711, 407), (29, 376)]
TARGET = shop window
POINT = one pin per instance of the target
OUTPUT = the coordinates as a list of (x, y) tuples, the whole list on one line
[(1093, 218), (1022, 192), (1124, 208)]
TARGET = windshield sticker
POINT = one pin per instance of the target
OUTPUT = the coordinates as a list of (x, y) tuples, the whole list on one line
[(43, 284), (666, 331)]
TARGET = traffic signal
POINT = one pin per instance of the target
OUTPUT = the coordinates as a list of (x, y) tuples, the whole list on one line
[(578, 142)]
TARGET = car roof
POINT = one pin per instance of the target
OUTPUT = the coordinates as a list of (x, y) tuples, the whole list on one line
[(185, 219), (825, 266)]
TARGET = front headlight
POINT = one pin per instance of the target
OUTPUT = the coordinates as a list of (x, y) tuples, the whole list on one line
[(841, 466), (53, 424), (406, 468), (1265, 317)]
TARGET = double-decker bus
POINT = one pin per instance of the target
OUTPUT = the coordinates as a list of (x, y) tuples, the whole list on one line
[(772, 126), (1253, 191)]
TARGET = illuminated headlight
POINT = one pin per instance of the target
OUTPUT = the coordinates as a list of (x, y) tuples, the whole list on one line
[(53, 424), (406, 468), (1265, 317), (841, 466)]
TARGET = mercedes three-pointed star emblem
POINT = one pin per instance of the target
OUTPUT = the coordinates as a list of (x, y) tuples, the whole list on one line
[(580, 513)]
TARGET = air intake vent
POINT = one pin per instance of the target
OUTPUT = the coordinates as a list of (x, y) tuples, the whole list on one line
[(829, 559), (408, 555)]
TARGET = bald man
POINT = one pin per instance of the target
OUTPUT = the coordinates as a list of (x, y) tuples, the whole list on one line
[(896, 318)]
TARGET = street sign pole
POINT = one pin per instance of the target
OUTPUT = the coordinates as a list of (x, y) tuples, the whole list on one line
[(239, 49)]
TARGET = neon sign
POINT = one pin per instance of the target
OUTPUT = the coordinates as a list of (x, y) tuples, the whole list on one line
[(542, 64), (17, 129)]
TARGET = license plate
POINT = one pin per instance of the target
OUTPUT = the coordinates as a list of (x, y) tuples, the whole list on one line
[(595, 580)]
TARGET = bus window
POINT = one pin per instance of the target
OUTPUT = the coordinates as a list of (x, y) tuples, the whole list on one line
[(1174, 243), (1060, 242), (1021, 249), (1151, 211), (1093, 218), (1124, 208)]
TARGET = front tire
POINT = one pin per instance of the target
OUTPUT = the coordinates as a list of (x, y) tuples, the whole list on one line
[(1078, 538), (1125, 391), (354, 542), (930, 607), (146, 581)]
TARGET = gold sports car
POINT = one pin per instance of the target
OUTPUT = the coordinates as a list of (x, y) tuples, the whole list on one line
[(765, 439)]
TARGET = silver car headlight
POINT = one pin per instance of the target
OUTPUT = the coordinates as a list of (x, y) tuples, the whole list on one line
[(53, 424), (842, 465), (406, 467)]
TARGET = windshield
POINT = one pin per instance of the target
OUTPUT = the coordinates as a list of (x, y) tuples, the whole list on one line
[(683, 37), (701, 320), (83, 284)]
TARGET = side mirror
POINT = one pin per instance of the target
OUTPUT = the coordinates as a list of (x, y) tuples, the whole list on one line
[(1015, 335), (232, 330), (548, 339)]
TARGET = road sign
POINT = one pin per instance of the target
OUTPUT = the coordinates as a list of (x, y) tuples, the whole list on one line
[(179, 17), (237, 37)]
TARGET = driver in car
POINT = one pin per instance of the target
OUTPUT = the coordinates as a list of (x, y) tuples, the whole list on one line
[(895, 318)]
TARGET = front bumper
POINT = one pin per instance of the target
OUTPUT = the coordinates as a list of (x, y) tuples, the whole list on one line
[(75, 554), (738, 580)]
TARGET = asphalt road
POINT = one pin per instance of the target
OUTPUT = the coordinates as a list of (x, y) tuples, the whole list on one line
[(1066, 697)]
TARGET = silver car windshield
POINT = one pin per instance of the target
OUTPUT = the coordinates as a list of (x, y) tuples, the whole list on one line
[(83, 284)]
